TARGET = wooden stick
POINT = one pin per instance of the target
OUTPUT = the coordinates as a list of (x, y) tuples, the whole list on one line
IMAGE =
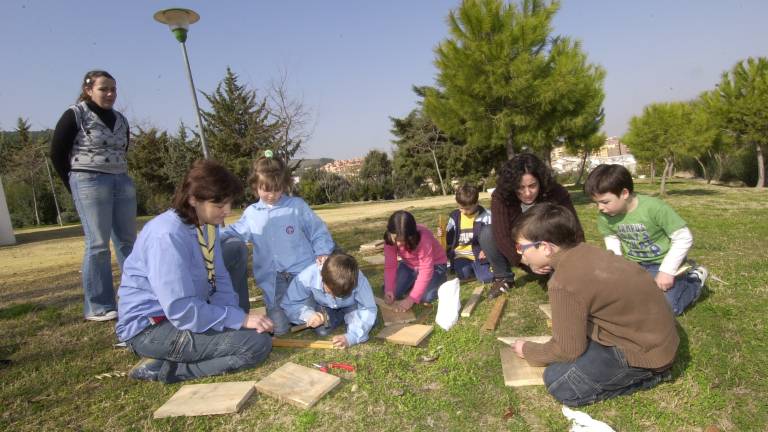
[(472, 302), (255, 299), (297, 343), (493, 317)]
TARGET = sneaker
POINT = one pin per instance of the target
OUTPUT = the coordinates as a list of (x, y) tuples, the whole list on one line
[(147, 369), (104, 316), (701, 273), (500, 286)]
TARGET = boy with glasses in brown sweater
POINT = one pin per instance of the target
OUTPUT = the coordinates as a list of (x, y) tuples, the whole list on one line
[(613, 332)]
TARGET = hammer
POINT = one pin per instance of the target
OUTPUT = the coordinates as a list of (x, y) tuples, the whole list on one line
[(300, 327)]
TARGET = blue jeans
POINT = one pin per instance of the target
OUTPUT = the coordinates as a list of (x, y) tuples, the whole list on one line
[(467, 268), (190, 355), (106, 204), (277, 314), (335, 318), (499, 264), (406, 277), (684, 291), (600, 373), (235, 255)]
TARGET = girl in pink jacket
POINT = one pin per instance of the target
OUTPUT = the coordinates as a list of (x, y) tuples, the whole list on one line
[(422, 268)]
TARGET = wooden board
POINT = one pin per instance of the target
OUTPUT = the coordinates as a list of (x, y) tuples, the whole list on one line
[(493, 317), (297, 385), (405, 334), (510, 340), (374, 259), (255, 299), (207, 399), (299, 343), (474, 299), (374, 245), (391, 317), (518, 372), (547, 309)]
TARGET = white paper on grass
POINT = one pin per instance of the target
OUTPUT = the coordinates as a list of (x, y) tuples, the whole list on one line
[(448, 307), (582, 422)]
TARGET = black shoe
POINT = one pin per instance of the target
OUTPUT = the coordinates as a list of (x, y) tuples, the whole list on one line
[(147, 369), (500, 286)]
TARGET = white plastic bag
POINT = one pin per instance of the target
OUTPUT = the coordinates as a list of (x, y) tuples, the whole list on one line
[(582, 422), (449, 304)]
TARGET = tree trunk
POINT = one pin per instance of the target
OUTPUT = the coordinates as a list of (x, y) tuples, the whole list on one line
[(437, 168), (664, 175), (34, 204), (53, 192), (510, 147), (653, 172), (703, 169), (583, 165), (760, 167)]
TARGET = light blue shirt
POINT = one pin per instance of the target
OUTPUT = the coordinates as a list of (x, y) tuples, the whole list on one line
[(306, 290), (286, 237), (165, 276)]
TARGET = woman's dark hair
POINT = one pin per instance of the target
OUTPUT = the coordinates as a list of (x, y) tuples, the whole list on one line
[(206, 180), (88, 80), (403, 225), (513, 171)]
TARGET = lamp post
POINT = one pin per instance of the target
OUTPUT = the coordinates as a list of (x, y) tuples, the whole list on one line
[(178, 20)]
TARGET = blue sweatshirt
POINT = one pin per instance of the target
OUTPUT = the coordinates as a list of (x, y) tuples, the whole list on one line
[(286, 237), (165, 276), (306, 289)]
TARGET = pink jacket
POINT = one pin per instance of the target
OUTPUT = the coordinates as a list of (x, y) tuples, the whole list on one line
[(423, 259)]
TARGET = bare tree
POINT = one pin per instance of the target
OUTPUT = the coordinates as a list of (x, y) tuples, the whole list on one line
[(293, 119)]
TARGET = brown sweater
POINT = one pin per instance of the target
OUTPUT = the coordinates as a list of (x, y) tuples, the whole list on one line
[(505, 214), (601, 296)]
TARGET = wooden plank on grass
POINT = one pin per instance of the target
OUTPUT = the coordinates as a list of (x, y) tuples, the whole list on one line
[(371, 246), (207, 399), (493, 317), (298, 343), (374, 259), (510, 340), (297, 385), (405, 334), (474, 299), (391, 317), (518, 372)]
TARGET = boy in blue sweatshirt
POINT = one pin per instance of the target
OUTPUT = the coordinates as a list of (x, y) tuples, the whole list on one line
[(340, 290)]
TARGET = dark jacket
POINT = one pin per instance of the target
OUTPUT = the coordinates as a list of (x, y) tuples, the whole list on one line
[(451, 232)]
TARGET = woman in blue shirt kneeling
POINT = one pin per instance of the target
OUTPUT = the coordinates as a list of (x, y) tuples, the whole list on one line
[(177, 308)]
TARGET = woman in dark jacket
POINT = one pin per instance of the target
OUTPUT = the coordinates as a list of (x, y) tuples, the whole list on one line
[(523, 182), (88, 151)]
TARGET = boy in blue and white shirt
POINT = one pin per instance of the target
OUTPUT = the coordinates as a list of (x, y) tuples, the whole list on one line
[(341, 291)]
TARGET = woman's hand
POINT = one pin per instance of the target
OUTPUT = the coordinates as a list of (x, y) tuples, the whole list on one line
[(258, 322)]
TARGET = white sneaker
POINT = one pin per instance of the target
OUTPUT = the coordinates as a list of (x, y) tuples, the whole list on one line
[(701, 273), (104, 316)]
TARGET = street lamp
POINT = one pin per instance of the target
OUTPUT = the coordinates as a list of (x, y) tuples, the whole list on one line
[(178, 20)]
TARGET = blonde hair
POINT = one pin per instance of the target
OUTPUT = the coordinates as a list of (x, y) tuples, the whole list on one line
[(270, 174)]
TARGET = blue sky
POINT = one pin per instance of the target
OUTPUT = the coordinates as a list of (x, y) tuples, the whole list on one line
[(352, 62)]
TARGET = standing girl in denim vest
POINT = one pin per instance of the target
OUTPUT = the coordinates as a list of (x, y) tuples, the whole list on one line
[(88, 151), (287, 237)]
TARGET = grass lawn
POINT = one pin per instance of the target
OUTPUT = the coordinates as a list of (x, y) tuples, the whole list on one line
[(719, 376)]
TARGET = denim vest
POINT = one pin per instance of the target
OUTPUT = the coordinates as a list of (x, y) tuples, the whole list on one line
[(96, 147)]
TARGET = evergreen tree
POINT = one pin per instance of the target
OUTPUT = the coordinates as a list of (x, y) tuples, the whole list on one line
[(238, 126), (743, 107), (505, 83)]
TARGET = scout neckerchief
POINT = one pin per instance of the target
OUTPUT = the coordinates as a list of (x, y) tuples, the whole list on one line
[(206, 247)]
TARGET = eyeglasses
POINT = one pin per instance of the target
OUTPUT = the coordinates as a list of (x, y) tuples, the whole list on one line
[(521, 248)]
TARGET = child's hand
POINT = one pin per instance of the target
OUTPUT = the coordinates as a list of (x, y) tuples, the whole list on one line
[(439, 231), (340, 341), (518, 347), (317, 319), (320, 260), (403, 305), (481, 255), (389, 298), (260, 323), (664, 281)]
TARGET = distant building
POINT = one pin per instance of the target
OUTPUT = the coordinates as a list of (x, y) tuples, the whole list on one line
[(344, 167), (613, 151)]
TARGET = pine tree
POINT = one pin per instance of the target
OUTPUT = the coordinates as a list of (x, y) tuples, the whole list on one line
[(506, 84)]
